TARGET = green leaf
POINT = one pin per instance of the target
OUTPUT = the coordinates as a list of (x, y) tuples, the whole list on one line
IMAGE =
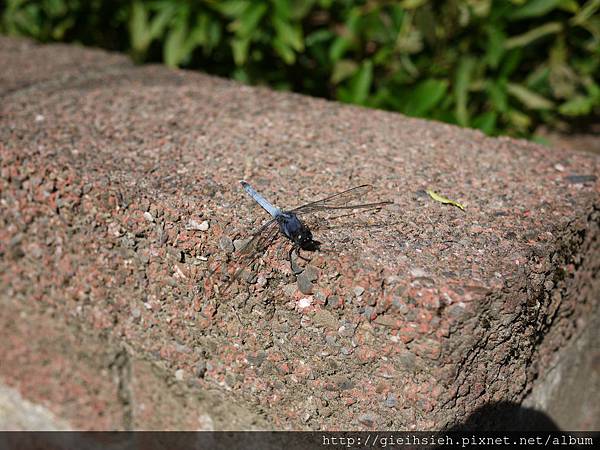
[(588, 10), (486, 122), (592, 89), (55, 8), (425, 97), (232, 8), (160, 21), (534, 8), (570, 6), (58, 33), (240, 50), (578, 106), (283, 8), (510, 62), (173, 49), (520, 121), (461, 87), (497, 95), (538, 78), (247, 23), (342, 42), (359, 85), (495, 47), (529, 98), (240, 74), (289, 34), (138, 27), (338, 48), (207, 32), (343, 69), (527, 38), (284, 50), (438, 198), (318, 36), (412, 4)]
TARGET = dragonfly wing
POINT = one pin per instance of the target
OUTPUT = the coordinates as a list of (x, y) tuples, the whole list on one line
[(367, 206), (339, 199), (254, 248), (257, 238), (342, 200)]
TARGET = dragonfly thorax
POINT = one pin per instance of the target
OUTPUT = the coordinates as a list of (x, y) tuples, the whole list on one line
[(295, 230)]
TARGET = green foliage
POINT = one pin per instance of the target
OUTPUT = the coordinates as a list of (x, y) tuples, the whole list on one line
[(91, 22), (503, 66)]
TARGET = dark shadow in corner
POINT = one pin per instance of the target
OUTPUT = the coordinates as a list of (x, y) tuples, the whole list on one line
[(506, 416)]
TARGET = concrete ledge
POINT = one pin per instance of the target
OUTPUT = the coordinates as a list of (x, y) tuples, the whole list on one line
[(416, 317)]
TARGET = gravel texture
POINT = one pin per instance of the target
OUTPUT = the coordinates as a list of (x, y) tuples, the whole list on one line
[(121, 209)]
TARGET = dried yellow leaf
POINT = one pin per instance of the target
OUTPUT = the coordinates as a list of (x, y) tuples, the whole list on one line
[(438, 198)]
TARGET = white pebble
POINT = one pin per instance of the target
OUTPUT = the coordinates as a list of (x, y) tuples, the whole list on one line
[(199, 226), (304, 302)]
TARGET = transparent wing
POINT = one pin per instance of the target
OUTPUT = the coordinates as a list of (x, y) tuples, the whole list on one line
[(347, 199), (254, 248), (258, 238)]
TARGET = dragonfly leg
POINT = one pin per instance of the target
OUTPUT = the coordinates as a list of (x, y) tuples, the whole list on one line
[(296, 269), (302, 257)]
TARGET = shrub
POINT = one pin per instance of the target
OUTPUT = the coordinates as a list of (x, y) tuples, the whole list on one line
[(498, 65)]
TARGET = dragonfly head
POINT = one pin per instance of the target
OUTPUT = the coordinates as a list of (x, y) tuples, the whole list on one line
[(304, 240), (297, 232)]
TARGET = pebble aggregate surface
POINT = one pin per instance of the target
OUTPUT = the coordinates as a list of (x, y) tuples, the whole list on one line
[(121, 214)]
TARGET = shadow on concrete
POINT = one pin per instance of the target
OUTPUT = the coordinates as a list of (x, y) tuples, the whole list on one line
[(507, 416)]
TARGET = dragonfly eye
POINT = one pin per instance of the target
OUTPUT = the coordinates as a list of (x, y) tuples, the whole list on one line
[(304, 236)]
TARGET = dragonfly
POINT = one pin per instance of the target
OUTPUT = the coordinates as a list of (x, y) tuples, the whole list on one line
[(289, 223)]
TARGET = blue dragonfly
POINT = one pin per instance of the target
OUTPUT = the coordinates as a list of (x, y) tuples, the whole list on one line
[(289, 224)]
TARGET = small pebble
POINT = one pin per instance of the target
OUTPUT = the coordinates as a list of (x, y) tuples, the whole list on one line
[(368, 420), (331, 340), (304, 284), (304, 302), (311, 273), (289, 290), (198, 226), (359, 290), (205, 423), (391, 400), (179, 374), (333, 301), (418, 272), (148, 217), (256, 360), (226, 245), (261, 281)]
